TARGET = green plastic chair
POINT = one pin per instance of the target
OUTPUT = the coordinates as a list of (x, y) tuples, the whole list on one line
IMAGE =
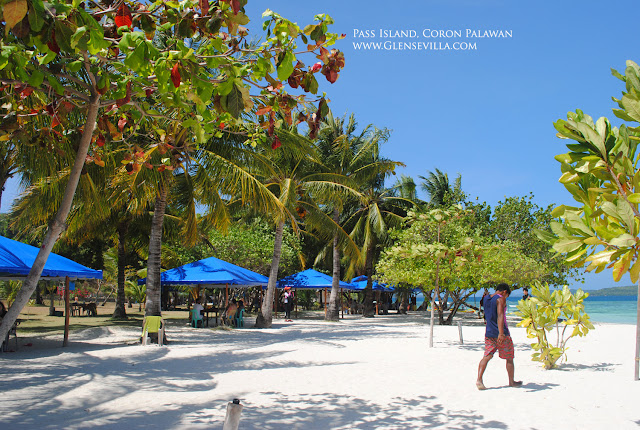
[(153, 324), (196, 318), (238, 319)]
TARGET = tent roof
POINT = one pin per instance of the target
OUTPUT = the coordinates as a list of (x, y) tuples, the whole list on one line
[(310, 279), (361, 283), (16, 259), (211, 272)]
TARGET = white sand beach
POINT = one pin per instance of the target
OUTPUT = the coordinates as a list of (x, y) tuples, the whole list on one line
[(309, 374)]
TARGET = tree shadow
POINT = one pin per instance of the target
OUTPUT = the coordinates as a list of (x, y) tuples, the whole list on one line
[(597, 367)]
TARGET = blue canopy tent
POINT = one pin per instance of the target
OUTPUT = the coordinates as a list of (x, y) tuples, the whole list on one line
[(211, 272), (361, 283), (16, 259), (310, 279)]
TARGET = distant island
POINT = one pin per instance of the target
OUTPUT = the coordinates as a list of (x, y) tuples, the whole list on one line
[(631, 290)]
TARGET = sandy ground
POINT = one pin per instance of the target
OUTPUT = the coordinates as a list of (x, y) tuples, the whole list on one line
[(355, 374)]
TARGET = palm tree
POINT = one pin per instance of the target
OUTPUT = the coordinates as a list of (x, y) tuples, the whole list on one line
[(299, 182), (355, 158), (379, 212), (440, 191)]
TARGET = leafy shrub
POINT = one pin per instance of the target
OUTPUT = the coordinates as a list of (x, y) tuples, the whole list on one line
[(557, 311)]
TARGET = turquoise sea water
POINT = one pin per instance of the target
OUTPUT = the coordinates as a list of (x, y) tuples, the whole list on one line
[(606, 309)]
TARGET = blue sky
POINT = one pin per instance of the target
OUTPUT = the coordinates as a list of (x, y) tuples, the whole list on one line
[(486, 113)]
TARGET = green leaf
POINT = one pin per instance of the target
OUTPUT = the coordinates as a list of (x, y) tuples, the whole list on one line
[(233, 102), (568, 244), (36, 78), (623, 241), (634, 198), (36, 15), (57, 86), (285, 68), (76, 39), (631, 105)]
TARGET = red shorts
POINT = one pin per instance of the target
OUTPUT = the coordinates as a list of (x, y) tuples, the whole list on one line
[(505, 350)]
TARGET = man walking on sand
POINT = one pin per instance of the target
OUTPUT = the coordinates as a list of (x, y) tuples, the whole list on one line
[(497, 336)]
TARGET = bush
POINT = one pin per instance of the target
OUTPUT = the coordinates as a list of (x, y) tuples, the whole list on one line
[(547, 311)]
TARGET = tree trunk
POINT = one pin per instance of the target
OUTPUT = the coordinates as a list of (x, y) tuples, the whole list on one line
[(120, 312), (333, 311), (264, 318), (39, 300), (637, 367), (52, 306), (369, 309), (58, 224), (152, 306), (435, 293)]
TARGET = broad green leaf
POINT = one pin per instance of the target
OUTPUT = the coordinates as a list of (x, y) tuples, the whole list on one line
[(567, 244), (623, 241), (36, 78), (36, 15), (634, 198), (631, 105), (56, 85), (285, 68), (233, 102)]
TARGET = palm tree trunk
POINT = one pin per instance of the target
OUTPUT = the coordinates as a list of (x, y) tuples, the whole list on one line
[(368, 311), (152, 306), (58, 224), (120, 312), (265, 318), (333, 312)]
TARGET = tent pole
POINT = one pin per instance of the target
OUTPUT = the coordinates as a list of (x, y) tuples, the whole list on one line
[(341, 307), (226, 296), (325, 303), (295, 295), (65, 340), (276, 302)]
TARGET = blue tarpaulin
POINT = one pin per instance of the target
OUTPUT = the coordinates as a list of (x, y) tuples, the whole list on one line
[(310, 279), (16, 259), (361, 283), (211, 272)]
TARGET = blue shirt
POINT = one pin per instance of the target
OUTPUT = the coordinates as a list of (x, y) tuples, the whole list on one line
[(491, 314)]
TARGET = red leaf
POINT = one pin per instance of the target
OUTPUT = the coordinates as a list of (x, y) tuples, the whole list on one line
[(55, 122), (235, 5), (204, 7), (148, 92), (100, 140), (49, 109), (123, 16), (175, 75), (26, 93), (52, 44), (127, 98), (316, 67), (121, 123), (276, 143), (263, 110)]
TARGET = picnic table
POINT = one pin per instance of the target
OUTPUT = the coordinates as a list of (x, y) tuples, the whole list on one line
[(205, 315)]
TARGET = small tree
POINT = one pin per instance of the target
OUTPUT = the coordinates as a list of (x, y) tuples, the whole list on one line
[(547, 311), (601, 173)]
